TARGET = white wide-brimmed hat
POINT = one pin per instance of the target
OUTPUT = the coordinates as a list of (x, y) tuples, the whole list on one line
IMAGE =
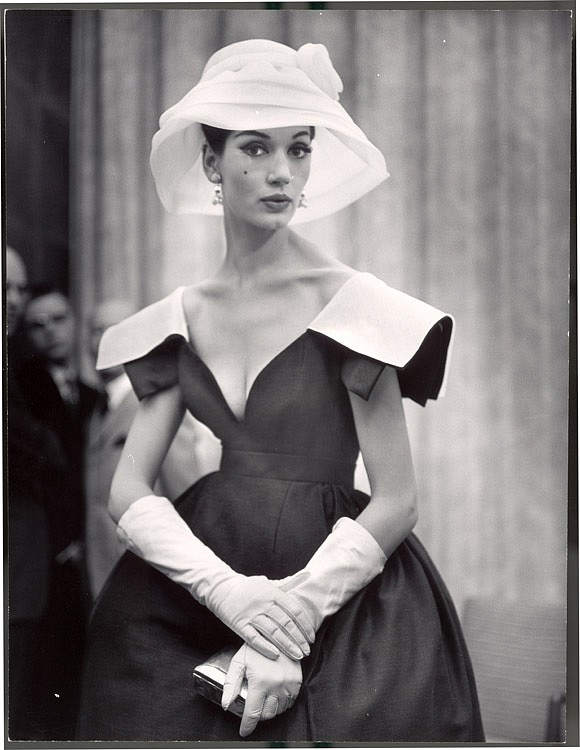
[(260, 84)]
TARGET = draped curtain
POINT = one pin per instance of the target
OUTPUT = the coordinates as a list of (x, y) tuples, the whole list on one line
[(472, 111)]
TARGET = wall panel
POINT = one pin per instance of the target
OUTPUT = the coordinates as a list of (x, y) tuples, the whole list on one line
[(472, 111)]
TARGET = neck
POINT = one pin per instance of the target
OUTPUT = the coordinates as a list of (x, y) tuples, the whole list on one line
[(252, 252)]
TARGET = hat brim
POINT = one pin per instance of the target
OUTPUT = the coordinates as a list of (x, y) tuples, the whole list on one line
[(345, 164)]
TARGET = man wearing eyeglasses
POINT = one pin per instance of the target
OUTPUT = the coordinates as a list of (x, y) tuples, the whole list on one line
[(60, 399)]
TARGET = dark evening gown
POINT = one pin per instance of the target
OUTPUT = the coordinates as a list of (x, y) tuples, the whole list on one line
[(392, 664)]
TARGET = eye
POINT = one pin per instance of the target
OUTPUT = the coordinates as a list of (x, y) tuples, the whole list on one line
[(254, 149), (300, 150)]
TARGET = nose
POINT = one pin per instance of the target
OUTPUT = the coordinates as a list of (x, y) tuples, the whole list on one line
[(280, 170)]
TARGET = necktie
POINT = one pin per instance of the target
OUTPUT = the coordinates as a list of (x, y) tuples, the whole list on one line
[(67, 386)]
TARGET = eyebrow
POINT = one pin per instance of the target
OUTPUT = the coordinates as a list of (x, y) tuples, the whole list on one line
[(259, 134)]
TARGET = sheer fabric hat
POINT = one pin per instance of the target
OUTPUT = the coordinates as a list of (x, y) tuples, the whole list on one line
[(259, 84)]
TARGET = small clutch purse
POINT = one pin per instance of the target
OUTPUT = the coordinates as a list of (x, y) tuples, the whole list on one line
[(209, 679)]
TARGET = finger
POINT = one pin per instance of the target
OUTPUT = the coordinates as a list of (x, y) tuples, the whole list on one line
[(252, 711), (294, 622), (288, 630), (285, 703), (262, 645), (270, 708), (233, 682), (275, 633), (298, 616)]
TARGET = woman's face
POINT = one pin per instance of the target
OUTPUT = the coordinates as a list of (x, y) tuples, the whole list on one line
[(263, 173)]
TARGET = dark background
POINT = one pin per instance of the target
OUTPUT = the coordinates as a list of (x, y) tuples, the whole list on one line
[(37, 120)]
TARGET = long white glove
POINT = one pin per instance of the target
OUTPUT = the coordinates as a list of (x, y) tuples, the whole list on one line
[(345, 562), (257, 610)]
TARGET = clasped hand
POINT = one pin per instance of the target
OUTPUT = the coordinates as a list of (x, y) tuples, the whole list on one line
[(267, 618), (273, 686)]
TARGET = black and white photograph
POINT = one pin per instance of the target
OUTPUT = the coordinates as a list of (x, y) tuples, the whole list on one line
[(290, 448)]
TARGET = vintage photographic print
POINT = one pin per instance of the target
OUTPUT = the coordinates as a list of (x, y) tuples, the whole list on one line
[(288, 294)]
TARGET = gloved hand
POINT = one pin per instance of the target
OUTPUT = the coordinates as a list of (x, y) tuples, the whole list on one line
[(345, 562), (258, 611), (273, 686)]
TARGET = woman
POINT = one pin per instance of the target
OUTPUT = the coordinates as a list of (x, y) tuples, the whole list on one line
[(295, 361)]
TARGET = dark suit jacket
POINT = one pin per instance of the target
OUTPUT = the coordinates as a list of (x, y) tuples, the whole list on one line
[(35, 467), (69, 424)]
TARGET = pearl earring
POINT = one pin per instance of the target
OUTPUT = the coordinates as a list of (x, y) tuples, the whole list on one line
[(218, 198), (303, 202)]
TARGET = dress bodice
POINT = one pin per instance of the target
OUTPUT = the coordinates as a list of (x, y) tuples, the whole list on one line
[(299, 404)]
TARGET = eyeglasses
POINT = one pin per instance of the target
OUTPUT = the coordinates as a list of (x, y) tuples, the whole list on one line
[(41, 321)]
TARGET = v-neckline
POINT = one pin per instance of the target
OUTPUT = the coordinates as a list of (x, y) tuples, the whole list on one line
[(241, 420)]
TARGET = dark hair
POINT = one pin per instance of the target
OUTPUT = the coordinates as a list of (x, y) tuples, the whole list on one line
[(216, 137), (43, 289)]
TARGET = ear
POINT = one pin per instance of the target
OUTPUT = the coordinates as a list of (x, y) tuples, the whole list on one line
[(209, 161)]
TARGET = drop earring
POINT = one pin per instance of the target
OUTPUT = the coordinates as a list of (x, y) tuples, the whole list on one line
[(218, 198), (303, 202)]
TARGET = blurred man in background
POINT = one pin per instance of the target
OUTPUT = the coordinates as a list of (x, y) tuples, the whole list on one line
[(193, 452), (35, 467), (16, 290), (58, 399)]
